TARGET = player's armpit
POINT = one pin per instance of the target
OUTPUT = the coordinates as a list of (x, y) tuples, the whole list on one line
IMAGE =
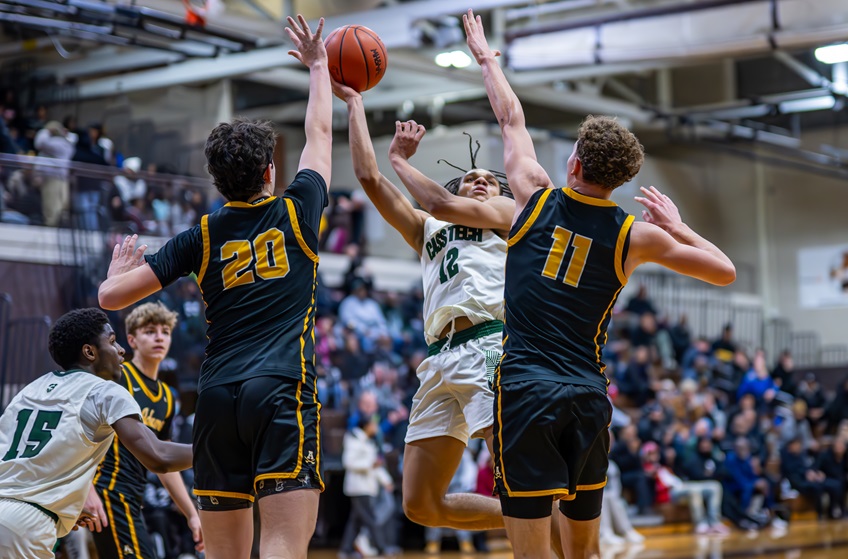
[(157, 456), (649, 243)]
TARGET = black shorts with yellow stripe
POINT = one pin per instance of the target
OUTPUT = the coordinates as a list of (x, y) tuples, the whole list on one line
[(126, 537), (551, 441), (255, 438)]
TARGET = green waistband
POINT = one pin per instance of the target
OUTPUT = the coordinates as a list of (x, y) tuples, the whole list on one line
[(473, 333), (49, 513)]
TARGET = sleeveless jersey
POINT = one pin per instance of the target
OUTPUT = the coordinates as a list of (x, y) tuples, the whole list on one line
[(47, 457), (120, 470), (257, 268), (463, 271), (564, 272)]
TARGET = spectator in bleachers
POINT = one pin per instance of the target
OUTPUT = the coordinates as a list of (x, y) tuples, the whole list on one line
[(837, 411), (758, 382), (52, 142), (701, 461), (353, 363), (645, 331), (625, 453), (22, 196), (130, 185), (810, 390), (671, 489), (640, 303), (799, 468), (833, 462), (102, 145), (796, 426), (364, 475), (744, 481), (363, 314), (724, 348), (88, 193), (681, 338), (782, 373), (654, 423), (635, 382)]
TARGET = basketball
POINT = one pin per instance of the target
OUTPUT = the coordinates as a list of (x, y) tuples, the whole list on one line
[(357, 57)]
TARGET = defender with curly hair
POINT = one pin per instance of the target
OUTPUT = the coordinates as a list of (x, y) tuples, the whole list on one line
[(571, 251), (256, 434)]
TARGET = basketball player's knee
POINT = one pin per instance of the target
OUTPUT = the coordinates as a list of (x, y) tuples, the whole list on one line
[(421, 509)]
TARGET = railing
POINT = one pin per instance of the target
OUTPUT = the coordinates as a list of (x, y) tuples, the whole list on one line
[(25, 356)]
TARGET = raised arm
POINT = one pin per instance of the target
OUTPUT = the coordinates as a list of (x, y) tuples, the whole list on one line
[(664, 238), (389, 201), (495, 213), (157, 456), (525, 174), (318, 124), (129, 278)]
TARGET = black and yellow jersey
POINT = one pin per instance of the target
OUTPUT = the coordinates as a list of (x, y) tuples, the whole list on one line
[(120, 470), (257, 268), (564, 271)]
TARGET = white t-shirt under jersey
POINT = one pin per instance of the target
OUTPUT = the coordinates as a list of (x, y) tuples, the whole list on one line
[(463, 269), (52, 436)]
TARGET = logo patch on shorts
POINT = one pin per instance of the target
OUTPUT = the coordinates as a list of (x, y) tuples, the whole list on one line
[(493, 359), (310, 458), (128, 550)]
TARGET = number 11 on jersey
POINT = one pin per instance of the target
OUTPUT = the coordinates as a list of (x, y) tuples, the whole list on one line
[(574, 271)]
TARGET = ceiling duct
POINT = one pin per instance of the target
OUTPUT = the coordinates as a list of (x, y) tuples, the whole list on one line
[(713, 29)]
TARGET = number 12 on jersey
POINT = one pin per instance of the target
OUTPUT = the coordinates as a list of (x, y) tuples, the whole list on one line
[(581, 245)]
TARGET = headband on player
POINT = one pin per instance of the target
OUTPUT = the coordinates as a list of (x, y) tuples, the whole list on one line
[(453, 185)]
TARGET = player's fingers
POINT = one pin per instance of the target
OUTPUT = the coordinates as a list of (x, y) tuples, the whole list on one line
[(397, 127), (116, 251), (292, 23), (320, 28), (295, 54), (411, 125), (497, 53), (304, 26)]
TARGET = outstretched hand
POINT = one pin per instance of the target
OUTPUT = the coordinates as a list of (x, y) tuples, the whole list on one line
[(126, 257), (476, 38), (342, 91), (93, 515), (407, 137), (310, 47), (660, 211)]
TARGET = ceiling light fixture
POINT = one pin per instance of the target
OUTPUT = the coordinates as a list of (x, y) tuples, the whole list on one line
[(832, 54), (454, 58)]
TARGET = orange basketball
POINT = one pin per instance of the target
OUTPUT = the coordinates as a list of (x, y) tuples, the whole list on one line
[(357, 57)]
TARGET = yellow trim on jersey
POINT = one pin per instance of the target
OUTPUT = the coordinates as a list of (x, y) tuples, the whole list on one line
[(112, 525), (238, 204), (207, 249), (227, 494), (619, 249), (133, 535), (606, 334), (296, 227), (500, 429), (143, 385), (591, 200), (117, 463), (315, 395), (168, 398), (527, 224)]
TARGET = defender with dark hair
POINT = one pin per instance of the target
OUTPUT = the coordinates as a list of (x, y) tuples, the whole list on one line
[(256, 425), (571, 251), (55, 431)]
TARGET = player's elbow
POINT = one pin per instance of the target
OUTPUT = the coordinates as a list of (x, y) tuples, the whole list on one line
[(106, 298), (159, 466), (367, 177), (725, 275)]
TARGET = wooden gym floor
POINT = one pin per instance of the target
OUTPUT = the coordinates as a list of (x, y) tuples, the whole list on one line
[(804, 539)]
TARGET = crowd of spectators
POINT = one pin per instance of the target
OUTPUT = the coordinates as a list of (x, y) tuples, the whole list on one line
[(81, 180)]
